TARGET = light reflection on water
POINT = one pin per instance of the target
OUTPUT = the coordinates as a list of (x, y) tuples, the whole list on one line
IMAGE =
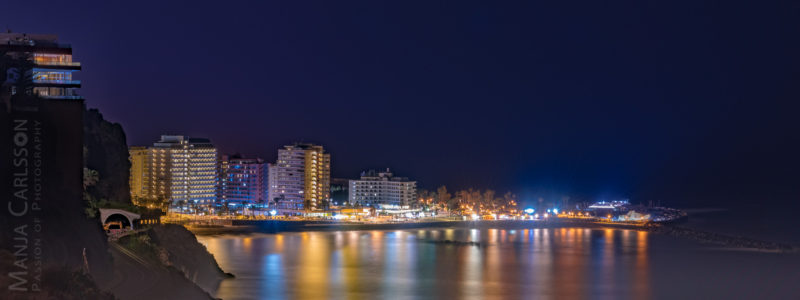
[(564, 263)]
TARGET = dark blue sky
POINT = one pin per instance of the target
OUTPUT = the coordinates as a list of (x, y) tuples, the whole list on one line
[(689, 102)]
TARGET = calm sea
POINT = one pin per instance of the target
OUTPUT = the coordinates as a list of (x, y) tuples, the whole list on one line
[(564, 263)]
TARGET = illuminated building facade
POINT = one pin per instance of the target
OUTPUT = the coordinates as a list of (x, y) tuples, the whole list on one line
[(139, 159), (382, 189), (52, 63), (272, 184), (180, 170), (242, 181), (300, 178)]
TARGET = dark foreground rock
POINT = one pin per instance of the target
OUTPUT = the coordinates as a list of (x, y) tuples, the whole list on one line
[(167, 260), (59, 282), (188, 255), (721, 239)]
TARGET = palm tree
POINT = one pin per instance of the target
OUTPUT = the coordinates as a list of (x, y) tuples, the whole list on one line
[(442, 196), (488, 200)]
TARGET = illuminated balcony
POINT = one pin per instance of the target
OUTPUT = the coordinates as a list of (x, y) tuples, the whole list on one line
[(59, 65), (63, 97), (76, 83)]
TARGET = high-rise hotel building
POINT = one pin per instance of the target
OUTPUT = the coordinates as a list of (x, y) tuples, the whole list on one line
[(300, 178), (382, 189), (177, 169), (52, 63), (242, 181), (139, 157)]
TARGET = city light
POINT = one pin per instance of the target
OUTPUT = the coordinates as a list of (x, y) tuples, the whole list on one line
[(273, 212), (529, 210)]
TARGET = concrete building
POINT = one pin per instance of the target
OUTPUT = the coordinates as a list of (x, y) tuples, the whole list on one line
[(382, 189), (272, 184), (139, 159), (242, 182), (52, 63), (179, 170), (300, 178)]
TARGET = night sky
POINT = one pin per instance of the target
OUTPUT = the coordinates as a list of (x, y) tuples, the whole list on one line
[(692, 103)]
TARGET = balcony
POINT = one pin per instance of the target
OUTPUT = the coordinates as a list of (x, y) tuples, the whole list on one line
[(57, 82), (63, 97), (59, 65)]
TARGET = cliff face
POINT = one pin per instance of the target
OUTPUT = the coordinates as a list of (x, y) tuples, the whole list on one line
[(175, 264), (185, 253), (48, 229), (106, 151)]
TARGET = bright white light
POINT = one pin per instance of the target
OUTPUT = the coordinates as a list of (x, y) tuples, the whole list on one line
[(273, 212), (475, 217), (529, 211), (555, 210), (546, 215), (536, 216)]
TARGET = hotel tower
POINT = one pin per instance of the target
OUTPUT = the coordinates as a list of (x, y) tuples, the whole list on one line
[(300, 178), (177, 169)]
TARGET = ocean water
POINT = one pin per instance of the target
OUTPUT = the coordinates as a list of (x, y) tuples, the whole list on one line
[(562, 263), (770, 223)]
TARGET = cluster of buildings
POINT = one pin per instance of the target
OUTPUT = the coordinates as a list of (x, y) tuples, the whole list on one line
[(188, 175)]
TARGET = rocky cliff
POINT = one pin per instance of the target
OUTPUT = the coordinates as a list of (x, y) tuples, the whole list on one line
[(188, 255), (176, 265), (106, 151)]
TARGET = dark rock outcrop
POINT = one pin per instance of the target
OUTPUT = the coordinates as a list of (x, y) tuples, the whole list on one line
[(55, 234), (57, 283), (106, 151), (188, 255), (176, 264)]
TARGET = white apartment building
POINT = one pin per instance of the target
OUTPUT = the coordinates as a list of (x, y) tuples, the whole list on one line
[(300, 178), (382, 189)]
